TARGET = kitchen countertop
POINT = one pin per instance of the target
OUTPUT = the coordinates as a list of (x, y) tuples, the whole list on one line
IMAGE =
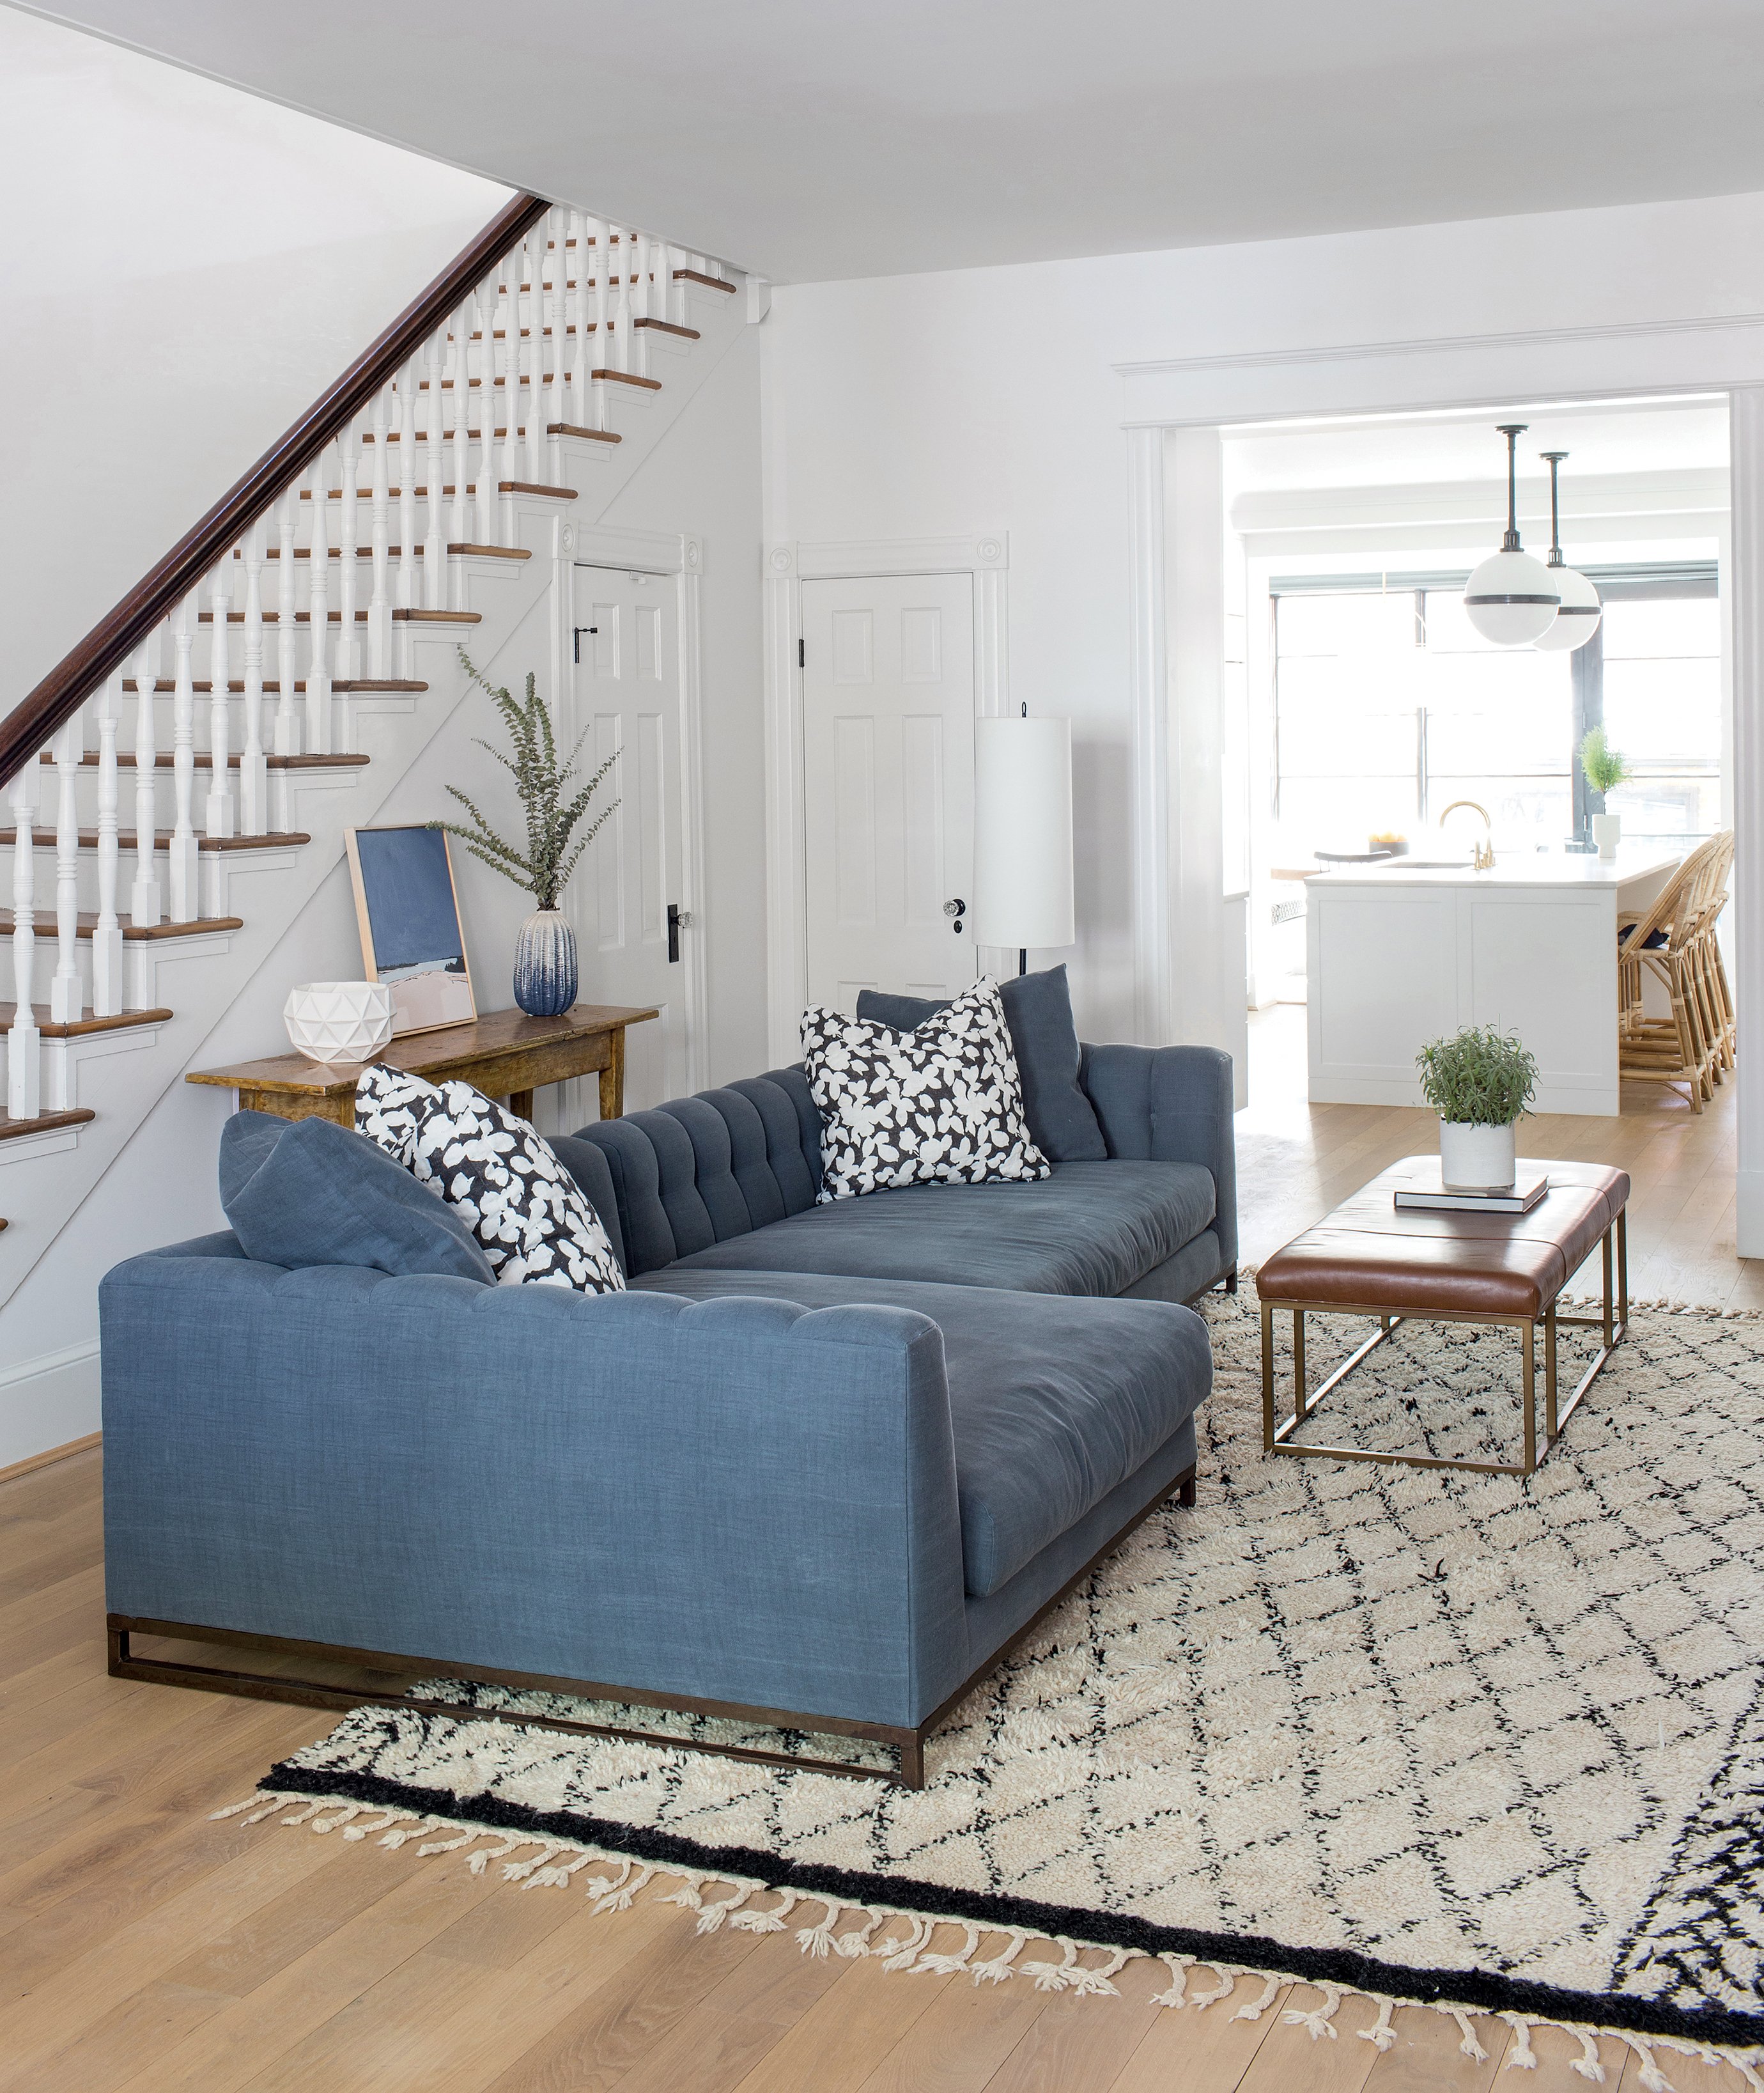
[(1541, 868)]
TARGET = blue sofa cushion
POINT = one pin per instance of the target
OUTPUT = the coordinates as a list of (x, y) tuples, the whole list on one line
[(1092, 1228), (305, 1192), (1038, 1009), (1053, 1403)]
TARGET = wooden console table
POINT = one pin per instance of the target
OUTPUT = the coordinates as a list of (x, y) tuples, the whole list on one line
[(506, 1055)]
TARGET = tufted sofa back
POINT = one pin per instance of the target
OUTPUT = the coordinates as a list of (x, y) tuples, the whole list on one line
[(699, 1170)]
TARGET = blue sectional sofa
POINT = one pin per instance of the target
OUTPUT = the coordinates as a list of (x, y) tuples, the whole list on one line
[(820, 1465)]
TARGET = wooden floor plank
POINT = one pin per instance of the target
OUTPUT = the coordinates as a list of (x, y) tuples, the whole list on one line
[(1201, 2049), (961, 2040), (834, 2046)]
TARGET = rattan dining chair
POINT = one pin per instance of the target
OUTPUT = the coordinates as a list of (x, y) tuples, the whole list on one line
[(1674, 943)]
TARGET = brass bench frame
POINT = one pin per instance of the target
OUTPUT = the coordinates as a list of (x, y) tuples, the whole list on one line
[(1613, 1320)]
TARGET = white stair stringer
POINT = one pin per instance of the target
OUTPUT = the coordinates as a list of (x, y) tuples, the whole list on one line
[(121, 1075)]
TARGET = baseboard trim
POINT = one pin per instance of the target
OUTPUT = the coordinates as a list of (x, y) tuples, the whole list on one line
[(51, 1455)]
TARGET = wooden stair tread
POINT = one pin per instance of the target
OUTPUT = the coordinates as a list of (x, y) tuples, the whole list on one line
[(335, 617), (627, 378), (593, 435), (133, 933), (669, 326), (80, 1026), (274, 683), (392, 553), (126, 840), (165, 760), (698, 276), (43, 1123), (532, 487)]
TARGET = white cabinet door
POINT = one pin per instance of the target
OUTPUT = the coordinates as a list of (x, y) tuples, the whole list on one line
[(887, 760), (628, 699)]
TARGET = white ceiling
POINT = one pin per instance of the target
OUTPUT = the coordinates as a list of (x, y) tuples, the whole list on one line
[(817, 139)]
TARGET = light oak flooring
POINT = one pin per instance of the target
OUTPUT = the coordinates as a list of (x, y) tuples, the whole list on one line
[(142, 1946)]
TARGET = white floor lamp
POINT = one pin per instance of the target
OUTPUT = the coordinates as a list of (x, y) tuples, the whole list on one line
[(1023, 834)]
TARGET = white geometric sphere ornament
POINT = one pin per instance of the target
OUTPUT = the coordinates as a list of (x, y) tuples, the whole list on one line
[(1577, 620), (1512, 598), (330, 1022)]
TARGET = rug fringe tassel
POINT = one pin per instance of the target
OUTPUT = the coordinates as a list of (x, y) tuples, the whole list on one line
[(555, 1861)]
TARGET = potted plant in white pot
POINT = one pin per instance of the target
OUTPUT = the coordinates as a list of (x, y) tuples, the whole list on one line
[(545, 968), (1480, 1081), (1604, 769)]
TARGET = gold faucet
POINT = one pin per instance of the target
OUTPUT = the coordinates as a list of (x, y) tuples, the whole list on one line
[(1484, 858)]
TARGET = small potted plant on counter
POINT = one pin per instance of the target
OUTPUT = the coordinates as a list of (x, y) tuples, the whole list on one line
[(545, 970), (1604, 769), (1479, 1082)]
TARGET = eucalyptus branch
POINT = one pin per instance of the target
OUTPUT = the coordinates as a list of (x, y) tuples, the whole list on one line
[(541, 781)]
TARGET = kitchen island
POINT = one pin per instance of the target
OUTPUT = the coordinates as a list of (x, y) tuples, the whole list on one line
[(1403, 950)]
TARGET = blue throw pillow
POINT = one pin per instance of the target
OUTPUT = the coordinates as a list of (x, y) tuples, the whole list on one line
[(304, 1192), (1038, 1008)]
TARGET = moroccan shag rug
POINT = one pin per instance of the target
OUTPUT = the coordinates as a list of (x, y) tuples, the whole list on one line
[(1492, 1745)]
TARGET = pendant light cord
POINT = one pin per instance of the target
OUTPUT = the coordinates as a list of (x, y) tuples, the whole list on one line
[(1512, 430), (1555, 458)]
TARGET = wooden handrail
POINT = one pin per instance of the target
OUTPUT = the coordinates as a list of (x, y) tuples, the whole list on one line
[(68, 685)]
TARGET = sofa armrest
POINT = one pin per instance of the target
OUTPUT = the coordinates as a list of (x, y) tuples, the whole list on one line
[(733, 1500), (1170, 1104)]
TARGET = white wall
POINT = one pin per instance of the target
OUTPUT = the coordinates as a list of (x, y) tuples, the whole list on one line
[(987, 400), (182, 269)]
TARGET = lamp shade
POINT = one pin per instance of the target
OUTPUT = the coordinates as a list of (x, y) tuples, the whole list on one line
[(1577, 620), (1512, 598), (1023, 832)]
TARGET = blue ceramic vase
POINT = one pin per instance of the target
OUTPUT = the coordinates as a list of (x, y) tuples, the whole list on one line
[(545, 965)]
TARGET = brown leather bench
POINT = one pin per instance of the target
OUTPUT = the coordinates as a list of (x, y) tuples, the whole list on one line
[(1371, 1257)]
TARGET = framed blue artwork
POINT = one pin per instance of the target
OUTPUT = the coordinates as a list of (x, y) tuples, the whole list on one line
[(408, 911)]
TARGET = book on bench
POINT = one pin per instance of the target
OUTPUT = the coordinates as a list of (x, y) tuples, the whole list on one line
[(1518, 1197)]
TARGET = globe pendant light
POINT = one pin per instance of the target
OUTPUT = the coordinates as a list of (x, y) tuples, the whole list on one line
[(1578, 618), (1512, 598)]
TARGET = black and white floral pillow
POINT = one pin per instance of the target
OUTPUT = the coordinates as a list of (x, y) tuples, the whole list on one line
[(942, 1105), (526, 1209)]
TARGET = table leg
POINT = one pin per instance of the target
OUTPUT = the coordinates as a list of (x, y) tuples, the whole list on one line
[(1267, 1378), (612, 1076), (521, 1104), (1605, 1248), (1297, 1366), (1551, 1425), (1529, 1371)]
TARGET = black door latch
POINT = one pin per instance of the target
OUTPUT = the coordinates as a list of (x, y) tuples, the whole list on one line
[(679, 919), (579, 631)]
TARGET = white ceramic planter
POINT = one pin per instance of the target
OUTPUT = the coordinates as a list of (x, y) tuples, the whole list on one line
[(1475, 1158), (329, 1022), (1607, 829)]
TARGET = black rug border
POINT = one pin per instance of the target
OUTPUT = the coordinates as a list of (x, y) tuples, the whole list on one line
[(1481, 1990)]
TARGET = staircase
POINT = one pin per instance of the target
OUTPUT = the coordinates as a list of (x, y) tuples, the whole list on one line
[(179, 786)]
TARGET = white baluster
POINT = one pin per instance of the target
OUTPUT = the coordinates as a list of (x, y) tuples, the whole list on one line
[(484, 320), (146, 903), (536, 253), (24, 1043), (435, 544), (287, 720), (380, 608), (619, 252), (67, 999), (348, 653), (600, 357), (459, 363), (217, 816), (254, 777), (409, 573), (582, 359), (318, 610), (674, 302), (107, 937), (182, 891), (511, 372), (558, 304)]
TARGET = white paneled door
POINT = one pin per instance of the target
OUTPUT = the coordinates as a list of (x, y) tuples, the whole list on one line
[(887, 759), (626, 648)]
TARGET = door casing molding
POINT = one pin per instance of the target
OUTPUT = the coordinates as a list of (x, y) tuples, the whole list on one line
[(674, 553), (788, 564)]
